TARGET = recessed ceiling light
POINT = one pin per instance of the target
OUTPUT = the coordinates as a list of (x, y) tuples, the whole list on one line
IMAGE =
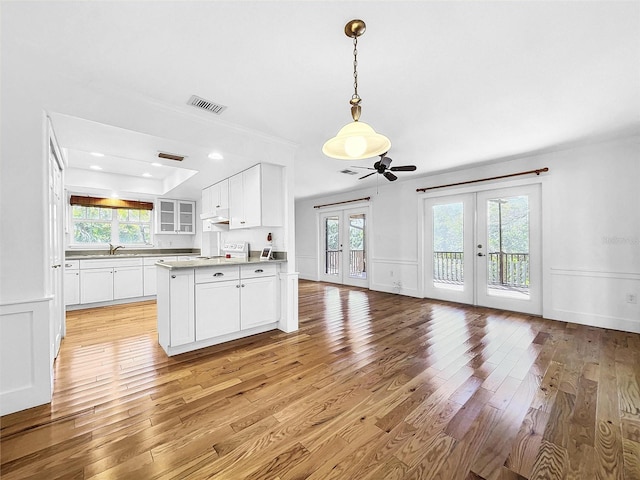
[(156, 164), (216, 156), (146, 174), (95, 167), (97, 154)]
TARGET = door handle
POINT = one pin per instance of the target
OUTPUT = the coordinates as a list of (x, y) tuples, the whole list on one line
[(481, 254)]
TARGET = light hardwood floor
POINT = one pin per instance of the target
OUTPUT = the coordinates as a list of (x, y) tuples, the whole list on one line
[(372, 386)]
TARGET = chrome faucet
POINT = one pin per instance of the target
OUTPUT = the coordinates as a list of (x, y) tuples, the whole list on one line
[(112, 249)]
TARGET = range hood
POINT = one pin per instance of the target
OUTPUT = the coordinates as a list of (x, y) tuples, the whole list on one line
[(221, 215)]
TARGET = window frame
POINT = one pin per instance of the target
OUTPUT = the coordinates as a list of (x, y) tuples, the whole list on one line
[(115, 228)]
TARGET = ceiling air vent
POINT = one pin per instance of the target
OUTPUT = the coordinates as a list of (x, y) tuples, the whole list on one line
[(206, 105), (171, 156), (348, 172)]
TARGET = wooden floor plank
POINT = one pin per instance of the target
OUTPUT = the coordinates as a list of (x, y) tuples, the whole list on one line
[(371, 386)]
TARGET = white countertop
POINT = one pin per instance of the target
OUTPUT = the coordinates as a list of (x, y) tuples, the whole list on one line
[(214, 262)]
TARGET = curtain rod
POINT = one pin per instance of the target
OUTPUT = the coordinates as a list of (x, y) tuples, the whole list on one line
[(537, 172), (339, 203)]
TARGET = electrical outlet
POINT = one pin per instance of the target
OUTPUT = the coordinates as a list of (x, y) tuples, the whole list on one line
[(632, 298)]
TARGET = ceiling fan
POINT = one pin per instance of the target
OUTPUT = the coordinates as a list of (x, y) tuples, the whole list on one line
[(382, 166)]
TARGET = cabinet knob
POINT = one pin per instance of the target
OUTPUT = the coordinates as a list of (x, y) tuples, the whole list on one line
[(173, 276), (237, 286), (160, 261), (218, 274), (259, 270), (243, 285), (243, 223), (68, 265)]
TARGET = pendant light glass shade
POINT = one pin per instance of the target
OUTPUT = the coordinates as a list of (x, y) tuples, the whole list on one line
[(356, 141)]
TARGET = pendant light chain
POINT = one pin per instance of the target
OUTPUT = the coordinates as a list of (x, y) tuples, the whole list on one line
[(355, 68)]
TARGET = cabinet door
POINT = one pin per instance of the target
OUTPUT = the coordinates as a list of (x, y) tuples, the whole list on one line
[(223, 194), (217, 309), (251, 193), (150, 281), (207, 200), (258, 302), (71, 287), (181, 307), (166, 220), (96, 285), (186, 216), (127, 282), (236, 202)]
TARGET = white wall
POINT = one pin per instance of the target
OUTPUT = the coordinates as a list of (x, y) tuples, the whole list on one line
[(591, 231)]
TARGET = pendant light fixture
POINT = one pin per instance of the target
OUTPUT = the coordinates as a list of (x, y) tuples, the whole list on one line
[(356, 140)]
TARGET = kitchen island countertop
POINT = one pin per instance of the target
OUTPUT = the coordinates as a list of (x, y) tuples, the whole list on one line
[(215, 262)]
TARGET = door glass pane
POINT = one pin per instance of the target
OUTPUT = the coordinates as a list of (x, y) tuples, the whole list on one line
[(332, 245), (508, 247), (357, 266), (448, 241)]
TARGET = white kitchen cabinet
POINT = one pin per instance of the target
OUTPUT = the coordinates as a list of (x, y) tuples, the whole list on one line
[(175, 216), (256, 197), (96, 285), (181, 307), (217, 309), (216, 197), (71, 282), (224, 302), (258, 296), (127, 282)]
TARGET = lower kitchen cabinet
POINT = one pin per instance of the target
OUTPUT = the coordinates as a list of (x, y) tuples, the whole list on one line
[(258, 302), (71, 282), (96, 285), (181, 308), (217, 309), (198, 307), (127, 282)]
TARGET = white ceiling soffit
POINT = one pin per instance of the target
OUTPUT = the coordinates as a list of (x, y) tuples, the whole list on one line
[(112, 159)]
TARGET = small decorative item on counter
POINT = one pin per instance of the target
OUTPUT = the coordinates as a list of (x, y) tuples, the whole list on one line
[(269, 237)]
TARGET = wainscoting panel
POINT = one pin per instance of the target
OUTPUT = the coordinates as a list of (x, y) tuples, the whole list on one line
[(25, 366), (394, 276), (596, 298)]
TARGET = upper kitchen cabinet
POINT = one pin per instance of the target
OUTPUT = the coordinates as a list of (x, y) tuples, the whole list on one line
[(175, 216), (215, 199), (256, 197)]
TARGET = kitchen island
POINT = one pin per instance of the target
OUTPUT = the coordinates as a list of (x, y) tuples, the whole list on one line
[(205, 302)]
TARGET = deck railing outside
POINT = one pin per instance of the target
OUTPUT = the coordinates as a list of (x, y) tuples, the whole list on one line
[(507, 269), (357, 264)]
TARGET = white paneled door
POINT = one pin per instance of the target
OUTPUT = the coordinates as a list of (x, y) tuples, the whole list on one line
[(484, 248), (343, 247)]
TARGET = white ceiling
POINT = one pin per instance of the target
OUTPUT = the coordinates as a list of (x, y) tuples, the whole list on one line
[(450, 83)]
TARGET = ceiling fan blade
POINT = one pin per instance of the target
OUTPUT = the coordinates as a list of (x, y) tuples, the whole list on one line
[(403, 168), (365, 168), (390, 176), (368, 175)]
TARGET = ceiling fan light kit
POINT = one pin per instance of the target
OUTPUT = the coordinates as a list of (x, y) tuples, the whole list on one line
[(356, 140)]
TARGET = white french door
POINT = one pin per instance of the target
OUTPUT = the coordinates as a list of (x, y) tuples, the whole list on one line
[(484, 248), (343, 247)]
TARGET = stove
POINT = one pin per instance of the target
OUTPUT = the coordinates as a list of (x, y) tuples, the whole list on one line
[(236, 250)]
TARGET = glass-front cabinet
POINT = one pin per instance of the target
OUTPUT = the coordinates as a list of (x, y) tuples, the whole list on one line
[(175, 216)]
